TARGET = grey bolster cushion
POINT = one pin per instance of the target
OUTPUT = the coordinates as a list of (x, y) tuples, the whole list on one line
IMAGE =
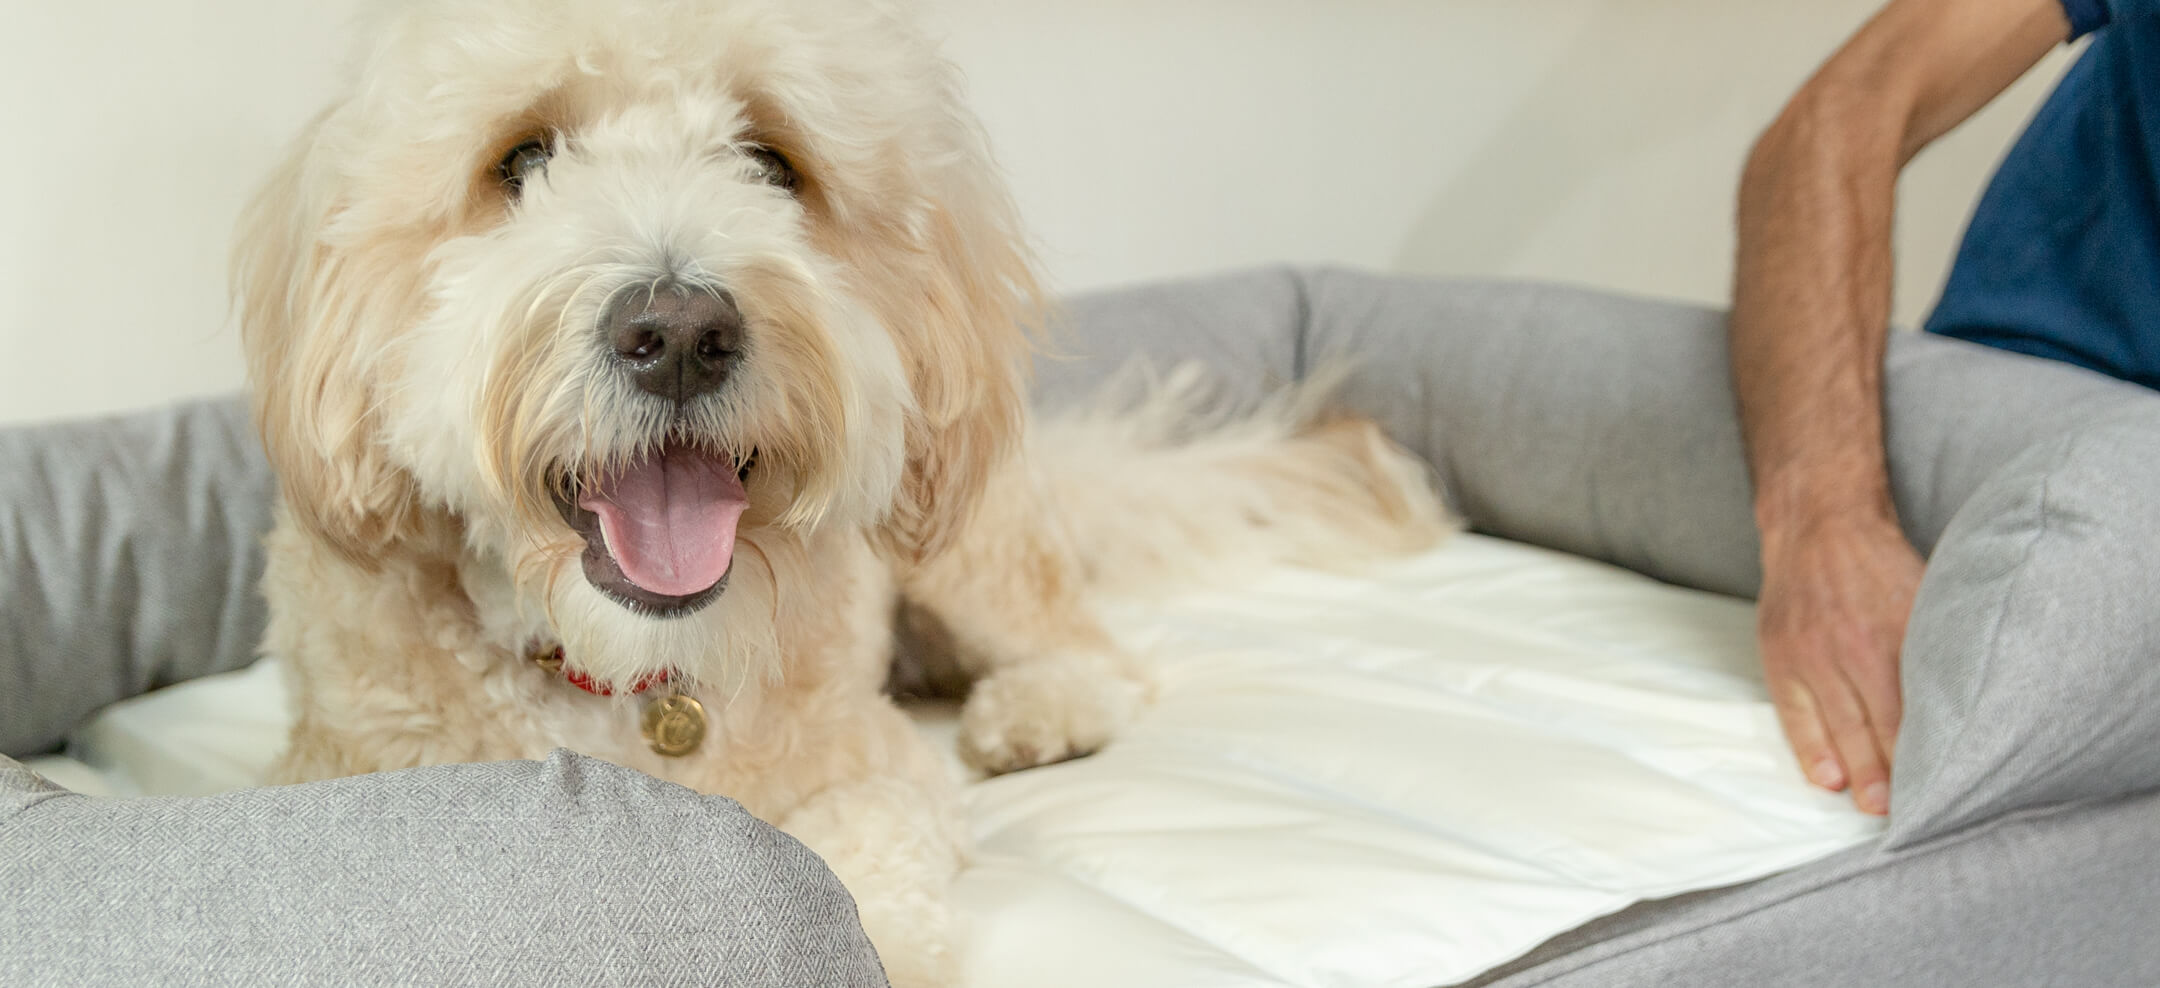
[(129, 552), (569, 871)]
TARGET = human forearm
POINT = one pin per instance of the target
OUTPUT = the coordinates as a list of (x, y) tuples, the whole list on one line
[(1813, 278), (1811, 312)]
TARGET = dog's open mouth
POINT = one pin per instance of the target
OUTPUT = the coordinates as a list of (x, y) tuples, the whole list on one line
[(660, 533)]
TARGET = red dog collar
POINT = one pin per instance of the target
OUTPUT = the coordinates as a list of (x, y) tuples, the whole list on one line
[(552, 661)]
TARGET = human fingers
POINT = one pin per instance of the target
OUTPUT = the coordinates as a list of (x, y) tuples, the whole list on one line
[(1845, 719), (1802, 721)]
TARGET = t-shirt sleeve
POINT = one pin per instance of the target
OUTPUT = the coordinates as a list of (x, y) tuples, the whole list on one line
[(2087, 16)]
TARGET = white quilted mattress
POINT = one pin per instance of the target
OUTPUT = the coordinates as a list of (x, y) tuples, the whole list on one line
[(1399, 780)]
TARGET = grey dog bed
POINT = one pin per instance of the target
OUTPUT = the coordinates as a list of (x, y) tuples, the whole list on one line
[(2018, 850)]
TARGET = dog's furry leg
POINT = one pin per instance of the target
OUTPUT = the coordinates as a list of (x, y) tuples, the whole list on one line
[(1146, 497), (896, 842), (1006, 607)]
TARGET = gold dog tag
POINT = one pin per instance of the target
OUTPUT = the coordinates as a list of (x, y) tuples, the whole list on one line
[(674, 724)]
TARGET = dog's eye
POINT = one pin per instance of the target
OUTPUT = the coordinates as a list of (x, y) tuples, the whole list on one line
[(523, 162), (772, 167)]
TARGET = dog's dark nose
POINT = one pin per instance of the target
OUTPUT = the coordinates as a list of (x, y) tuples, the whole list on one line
[(676, 343)]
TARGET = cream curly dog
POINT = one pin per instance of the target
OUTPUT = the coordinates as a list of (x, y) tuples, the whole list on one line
[(628, 366)]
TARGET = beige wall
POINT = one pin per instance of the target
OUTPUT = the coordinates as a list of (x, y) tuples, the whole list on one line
[(1595, 141)]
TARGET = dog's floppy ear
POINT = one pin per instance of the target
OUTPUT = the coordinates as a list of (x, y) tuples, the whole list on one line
[(967, 343), (303, 323)]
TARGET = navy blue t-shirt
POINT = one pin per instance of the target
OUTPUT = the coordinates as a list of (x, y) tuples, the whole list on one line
[(2062, 257)]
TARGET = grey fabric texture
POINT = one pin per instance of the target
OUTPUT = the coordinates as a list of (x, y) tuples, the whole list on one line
[(129, 555), (2033, 655), (570, 871), (1579, 420), (1246, 329), (2059, 896)]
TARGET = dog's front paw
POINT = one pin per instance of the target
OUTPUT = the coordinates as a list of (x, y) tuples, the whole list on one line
[(1047, 711)]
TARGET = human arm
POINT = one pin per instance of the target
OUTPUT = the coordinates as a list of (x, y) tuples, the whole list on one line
[(1808, 330)]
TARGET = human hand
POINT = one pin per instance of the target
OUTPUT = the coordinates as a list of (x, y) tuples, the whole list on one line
[(1831, 618)]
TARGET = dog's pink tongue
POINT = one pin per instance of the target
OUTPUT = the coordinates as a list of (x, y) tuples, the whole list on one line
[(669, 519)]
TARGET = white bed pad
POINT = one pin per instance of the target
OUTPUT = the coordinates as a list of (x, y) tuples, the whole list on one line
[(1398, 780)]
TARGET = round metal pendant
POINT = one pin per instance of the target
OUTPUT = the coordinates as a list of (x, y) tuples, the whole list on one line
[(674, 724)]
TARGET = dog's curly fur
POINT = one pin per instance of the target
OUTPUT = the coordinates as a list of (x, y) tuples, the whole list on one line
[(429, 377)]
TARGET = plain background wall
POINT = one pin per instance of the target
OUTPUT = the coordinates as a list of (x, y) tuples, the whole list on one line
[(1594, 141)]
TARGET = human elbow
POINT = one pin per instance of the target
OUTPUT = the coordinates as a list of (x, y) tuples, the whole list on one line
[(1842, 122)]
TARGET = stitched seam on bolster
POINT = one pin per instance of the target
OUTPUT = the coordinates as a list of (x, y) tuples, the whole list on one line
[(2086, 16)]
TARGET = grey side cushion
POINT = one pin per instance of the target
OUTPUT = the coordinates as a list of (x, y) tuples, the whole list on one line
[(564, 872), (129, 554), (1606, 427), (2034, 648)]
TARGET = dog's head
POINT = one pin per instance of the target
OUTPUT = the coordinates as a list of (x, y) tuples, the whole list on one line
[(620, 285)]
